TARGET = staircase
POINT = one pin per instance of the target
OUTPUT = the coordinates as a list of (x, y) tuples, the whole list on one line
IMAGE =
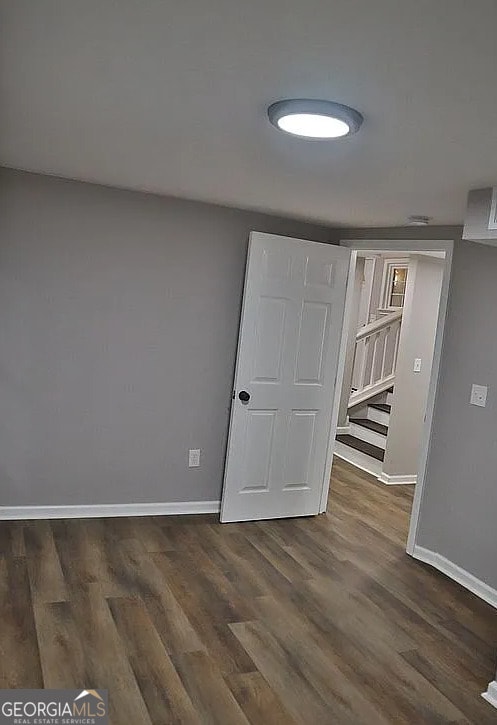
[(364, 445), (363, 440)]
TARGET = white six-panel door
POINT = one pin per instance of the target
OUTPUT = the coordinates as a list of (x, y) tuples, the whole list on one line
[(287, 364)]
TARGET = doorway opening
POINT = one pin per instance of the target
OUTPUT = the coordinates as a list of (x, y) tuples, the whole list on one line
[(391, 346), (294, 351)]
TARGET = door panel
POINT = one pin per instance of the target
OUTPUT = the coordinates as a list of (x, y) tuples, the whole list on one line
[(312, 337), (270, 330), (258, 449), (299, 448), (287, 362)]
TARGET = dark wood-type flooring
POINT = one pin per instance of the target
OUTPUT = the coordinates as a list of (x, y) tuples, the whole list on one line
[(314, 621)]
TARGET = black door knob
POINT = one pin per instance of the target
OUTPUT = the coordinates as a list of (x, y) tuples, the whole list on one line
[(244, 396)]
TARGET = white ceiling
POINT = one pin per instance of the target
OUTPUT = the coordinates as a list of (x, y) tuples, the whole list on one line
[(170, 96)]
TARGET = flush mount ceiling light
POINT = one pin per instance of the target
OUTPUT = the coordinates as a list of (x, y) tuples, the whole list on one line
[(314, 119)]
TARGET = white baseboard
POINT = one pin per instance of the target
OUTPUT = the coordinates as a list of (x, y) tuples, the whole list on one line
[(463, 577), (396, 480), (491, 694), (107, 510), (357, 458), (343, 430), (369, 465)]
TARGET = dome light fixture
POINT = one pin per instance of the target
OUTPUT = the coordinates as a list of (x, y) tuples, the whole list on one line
[(314, 119)]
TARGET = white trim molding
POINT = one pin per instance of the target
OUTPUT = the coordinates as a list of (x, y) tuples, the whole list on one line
[(397, 480), (175, 508), (491, 694), (342, 354), (343, 430), (461, 576)]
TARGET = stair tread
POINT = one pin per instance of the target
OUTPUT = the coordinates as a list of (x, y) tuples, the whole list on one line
[(371, 425), (368, 448), (381, 406)]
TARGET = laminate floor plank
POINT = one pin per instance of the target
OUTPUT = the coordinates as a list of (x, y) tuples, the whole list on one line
[(146, 582), (279, 557), (44, 567), (20, 665), (301, 644), (61, 650), (209, 692), (212, 628), (12, 539), (105, 657), (286, 676), (444, 677), (374, 659), (211, 584), (258, 700), (233, 562), (306, 621), (430, 636), (85, 548), (165, 697)]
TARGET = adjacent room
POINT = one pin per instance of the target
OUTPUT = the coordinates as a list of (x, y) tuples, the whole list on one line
[(248, 255), (393, 326)]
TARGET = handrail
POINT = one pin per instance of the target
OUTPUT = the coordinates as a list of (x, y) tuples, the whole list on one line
[(375, 357), (377, 325)]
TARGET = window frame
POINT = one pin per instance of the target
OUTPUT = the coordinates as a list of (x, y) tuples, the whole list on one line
[(386, 287)]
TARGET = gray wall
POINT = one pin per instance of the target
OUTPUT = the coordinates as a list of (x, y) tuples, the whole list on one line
[(119, 318), (459, 508), (118, 324), (417, 340)]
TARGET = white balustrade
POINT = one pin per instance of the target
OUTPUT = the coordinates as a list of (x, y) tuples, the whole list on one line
[(375, 357)]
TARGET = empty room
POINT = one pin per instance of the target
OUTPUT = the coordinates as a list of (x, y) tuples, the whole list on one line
[(248, 362)]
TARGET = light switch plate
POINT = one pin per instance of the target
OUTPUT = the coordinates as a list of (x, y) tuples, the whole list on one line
[(194, 458), (479, 395), (417, 365)]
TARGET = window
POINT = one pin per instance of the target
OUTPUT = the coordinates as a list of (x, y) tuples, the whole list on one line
[(398, 287), (394, 284)]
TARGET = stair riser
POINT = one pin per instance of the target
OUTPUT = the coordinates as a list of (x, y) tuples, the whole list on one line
[(368, 435), (366, 463), (379, 416)]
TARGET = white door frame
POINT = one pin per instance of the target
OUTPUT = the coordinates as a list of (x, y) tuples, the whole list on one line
[(398, 245), (342, 355)]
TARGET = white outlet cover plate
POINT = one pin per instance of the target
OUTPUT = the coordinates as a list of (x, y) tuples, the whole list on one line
[(194, 458), (479, 395), (417, 365)]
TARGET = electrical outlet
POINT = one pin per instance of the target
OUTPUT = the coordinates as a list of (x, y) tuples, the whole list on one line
[(417, 365), (479, 395), (194, 458)]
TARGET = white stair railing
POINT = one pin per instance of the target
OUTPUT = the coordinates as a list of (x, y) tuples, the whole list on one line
[(375, 357)]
